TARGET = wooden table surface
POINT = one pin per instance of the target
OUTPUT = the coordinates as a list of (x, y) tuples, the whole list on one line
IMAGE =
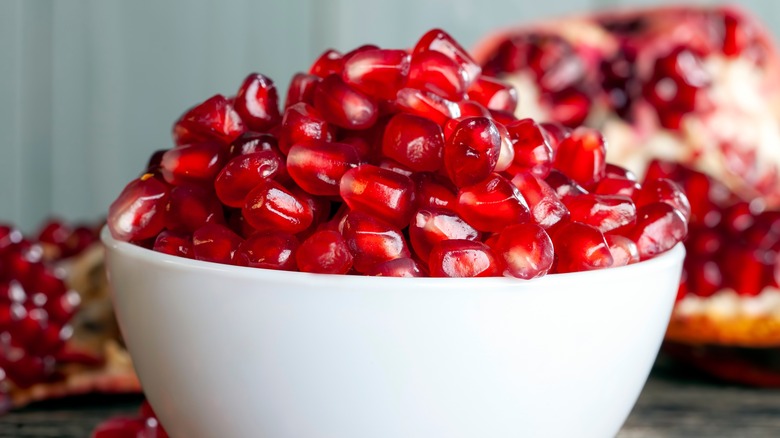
[(673, 404)]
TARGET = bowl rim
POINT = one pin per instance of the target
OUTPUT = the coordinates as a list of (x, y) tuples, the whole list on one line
[(140, 253)]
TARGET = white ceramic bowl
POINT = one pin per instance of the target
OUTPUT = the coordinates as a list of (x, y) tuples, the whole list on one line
[(226, 351)]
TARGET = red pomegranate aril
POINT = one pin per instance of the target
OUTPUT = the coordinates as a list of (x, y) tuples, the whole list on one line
[(243, 173), (580, 247), (377, 73), (301, 89), (414, 141), (372, 241), (216, 243), (121, 427), (191, 207), (664, 190), (139, 211), (435, 72), (744, 270), (62, 308), (737, 218), (54, 232), (257, 102), (570, 106), (434, 191), (269, 250), (427, 105), (252, 142), (581, 156), (320, 207), (470, 108), (525, 250), (470, 154), (704, 277), (440, 41), (196, 163), (532, 149), (395, 166), (617, 186), (615, 171), (492, 204), (344, 106), (494, 94), (403, 267), (604, 212), (546, 208), (659, 227), (177, 244), (324, 252), (329, 63), (10, 236), (462, 258), (563, 186), (432, 225), (270, 206), (624, 251), (213, 120), (379, 192), (317, 168), (301, 124), (555, 134)]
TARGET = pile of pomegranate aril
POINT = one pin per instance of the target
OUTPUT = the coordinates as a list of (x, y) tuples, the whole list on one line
[(143, 425), (394, 163)]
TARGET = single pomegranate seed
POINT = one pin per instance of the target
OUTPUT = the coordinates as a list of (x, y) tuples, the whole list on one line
[(492, 204), (494, 94), (470, 108), (318, 168), (431, 225), (704, 277), (546, 208), (462, 258), (603, 212), (54, 232), (471, 152), (379, 192), (745, 270), (301, 89), (736, 218), (437, 73), (570, 106), (372, 241), (615, 171), (428, 105), (215, 243), (532, 149), (659, 227), (269, 250), (414, 141), (138, 212), (403, 267), (196, 163), (555, 134), (525, 250), (581, 156), (270, 206), (61, 308), (704, 242), (301, 124), (320, 206), (673, 89), (344, 106), (580, 247), (191, 207), (213, 120), (618, 187), (439, 41), (377, 73), (324, 252), (177, 244), (664, 190), (395, 166), (330, 62), (243, 173), (624, 251), (10, 236), (257, 102), (434, 191), (252, 142)]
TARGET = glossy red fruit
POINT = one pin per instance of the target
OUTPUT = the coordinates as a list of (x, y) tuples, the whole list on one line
[(62, 307), (301, 124), (737, 218), (213, 120), (10, 236), (624, 251), (324, 252), (270, 206), (546, 208), (257, 102), (664, 190), (344, 106), (196, 163), (216, 243), (243, 173), (704, 277), (563, 186), (173, 243), (531, 146), (377, 73), (432, 225), (604, 212), (437, 73), (580, 247), (301, 89), (492, 204), (617, 186), (470, 108), (440, 41), (138, 213), (615, 171), (581, 156), (471, 152), (191, 207), (462, 258), (414, 141), (494, 94), (330, 62), (427, 105), (555, 133), (403, 267), (318, 168), (252, 142), (379, 192), (120, 427), (659, 227), (269, 250), (395, 166), (372, 241), (54, 232), (525, 251), (745, 270), (435, 191)]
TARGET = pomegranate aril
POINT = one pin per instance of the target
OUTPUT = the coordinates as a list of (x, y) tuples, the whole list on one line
[(546, 208), (10, 236), (243, 173), (555, 134), (704, 277), (301, 124), (624, 251), (615, 171), (745, 270), (324, 252), (580, 247), (215, 243), (570, 106), (494, 94), (269, 250), (470, 154), (177, 244), (618, 187), (403, 267), (462, 258), (213, 120), (532, 149), (395, 166), (120, 427), (372, 241), (330, 62), (737, 219), (492, 204), (257, 102), (377, 73), (138, 212), (431, 225), (659, 227), (270, 206), (470, 108), (379, 192), (54, 232), (252, 142), (581, 156), (344, 106), (414, 141), (301, 89), (563, 186), (191, 207), (525, 251), (427, 105), (196, 163), (317, 168), (435, 72), (439, 41), (604, 212), (432, 190), (663, 190)]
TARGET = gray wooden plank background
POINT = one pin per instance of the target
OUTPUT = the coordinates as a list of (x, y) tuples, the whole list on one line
[(88, 88)]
